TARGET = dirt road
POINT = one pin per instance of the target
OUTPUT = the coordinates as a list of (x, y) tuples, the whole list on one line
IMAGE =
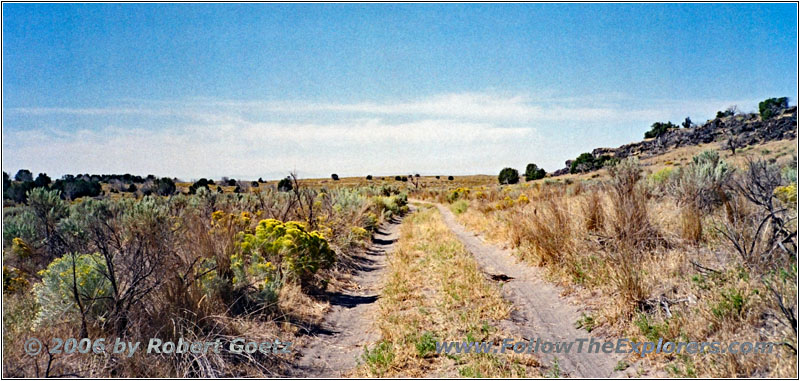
[(347, 328), (539, 309)]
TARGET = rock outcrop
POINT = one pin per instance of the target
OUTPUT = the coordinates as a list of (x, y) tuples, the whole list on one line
[(737, 130)]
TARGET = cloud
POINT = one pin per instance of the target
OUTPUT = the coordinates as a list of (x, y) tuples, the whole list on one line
[(461, 133)]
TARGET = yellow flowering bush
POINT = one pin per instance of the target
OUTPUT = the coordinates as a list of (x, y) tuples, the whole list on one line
[(13, 280), (20, 248), (787, 194), (456, 194), (276, 250)]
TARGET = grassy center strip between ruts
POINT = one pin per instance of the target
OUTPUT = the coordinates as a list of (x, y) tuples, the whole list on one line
[(434, 291)]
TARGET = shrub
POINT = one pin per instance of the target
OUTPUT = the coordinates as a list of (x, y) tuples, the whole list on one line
[(772, 106), (586, 162), (73, 189), (451, 178), (297, 253), (231, 182), (508, 176), (202, 183), (13, 280), (285, 185), (658, 128), (165, 186), (460, 206), (254, 184), (369, 177), (335, 177), (533, 172), (23, 175), (457, 194), (730, 111), (18, 191), (55, 293), (701, 183), (42, 180)]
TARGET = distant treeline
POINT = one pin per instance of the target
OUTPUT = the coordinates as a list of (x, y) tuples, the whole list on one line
[(82, 185)]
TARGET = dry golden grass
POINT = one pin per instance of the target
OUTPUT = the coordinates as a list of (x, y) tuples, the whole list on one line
[(434, 291), (623, 244)]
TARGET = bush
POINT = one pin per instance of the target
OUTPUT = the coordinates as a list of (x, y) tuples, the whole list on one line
[(73, 189), (18, 191), (165, 186), (23, 175), (460, 206), (700, 184), (369, 177), (202, 183), (587, 162), (533, 172), (451, 178), (55, 293), (285, 185), (42, 180), (288, 247), (457, 194), (508, 176), (658, 129), (335, 177), (772, 106)]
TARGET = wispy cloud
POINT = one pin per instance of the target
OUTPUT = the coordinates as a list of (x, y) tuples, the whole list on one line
[(462, 133)]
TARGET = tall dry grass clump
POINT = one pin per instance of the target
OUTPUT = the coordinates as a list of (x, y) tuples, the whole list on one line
[(593, 211), (633, 234)]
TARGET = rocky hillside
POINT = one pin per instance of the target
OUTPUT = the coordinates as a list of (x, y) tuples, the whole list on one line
[(730, 131)]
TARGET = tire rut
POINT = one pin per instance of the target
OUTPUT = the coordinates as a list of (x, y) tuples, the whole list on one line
[(347, 327), (540, 312)]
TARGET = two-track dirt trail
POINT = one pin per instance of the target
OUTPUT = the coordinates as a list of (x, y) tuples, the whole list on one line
[(347, 327), (540, 312)]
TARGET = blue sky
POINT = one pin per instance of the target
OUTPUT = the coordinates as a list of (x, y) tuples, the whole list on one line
[(257, 90)]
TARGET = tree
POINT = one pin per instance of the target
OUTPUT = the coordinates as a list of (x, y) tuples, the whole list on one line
[(202, 183), (397, 178), (451, 178), (687, 123), (231, 182), (772, 106), (23, 175), (369, 177), (533, 172), (260, 180), (6, 181), (508, 176), (335, 177), (42, 180), (438, 177), (285, 185), (254, 184), (658, 129), (165, 186)]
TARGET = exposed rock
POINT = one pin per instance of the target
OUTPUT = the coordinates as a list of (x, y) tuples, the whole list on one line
[(745, 129)]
